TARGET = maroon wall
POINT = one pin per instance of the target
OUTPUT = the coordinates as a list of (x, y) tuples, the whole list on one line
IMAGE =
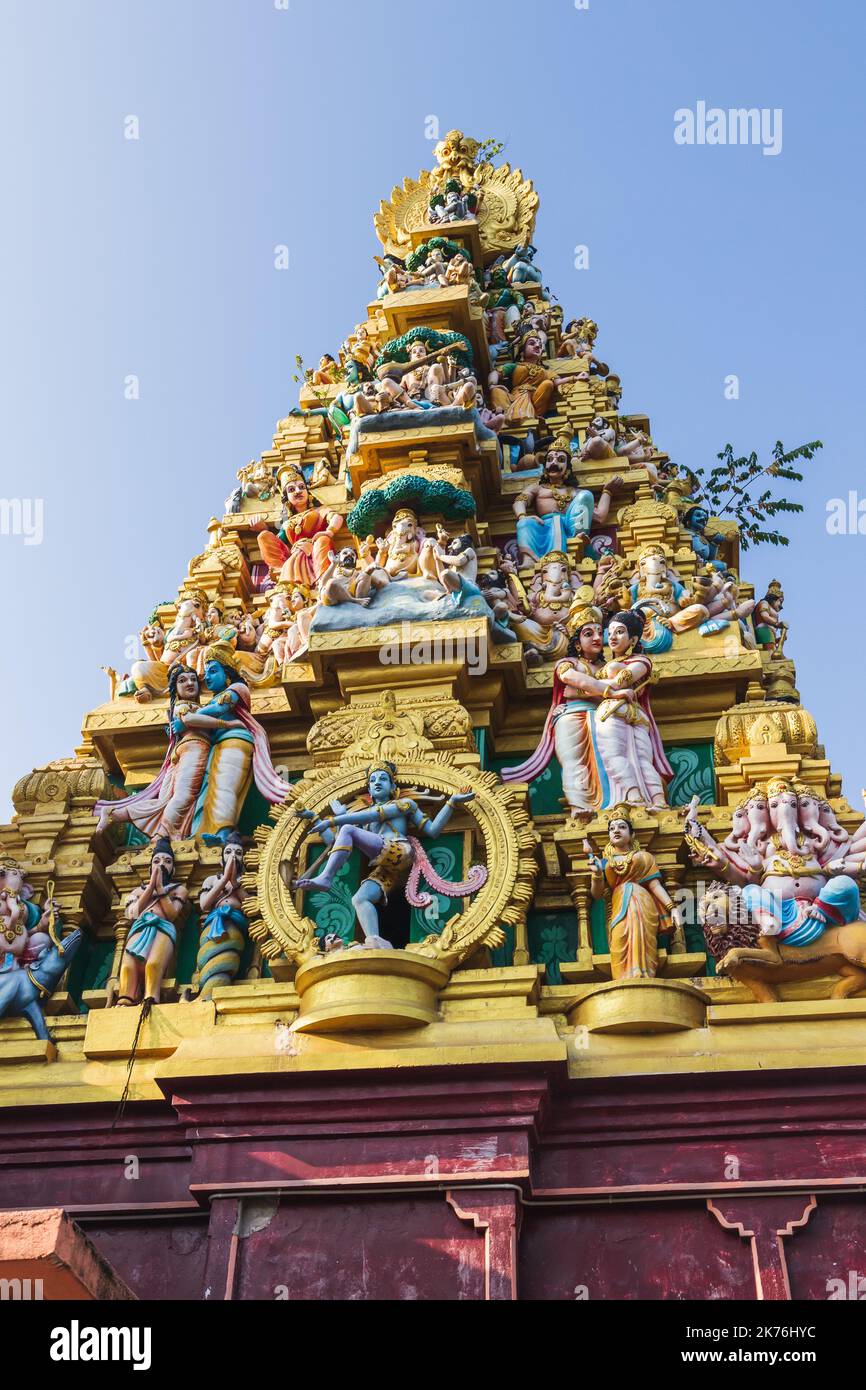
[(496, 1183)]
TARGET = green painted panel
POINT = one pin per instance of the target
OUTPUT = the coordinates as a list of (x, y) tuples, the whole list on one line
[(552, 938), (446, 856), (545, 793), (694, 774)]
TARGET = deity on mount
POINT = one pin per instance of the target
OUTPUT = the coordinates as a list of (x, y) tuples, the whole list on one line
[(35, 958), (25, 929), (396, 278), (300, 553), (525, 389), (216, 749), (563, 510), (641, 908), (154, 911), (770, 628), (382, 832), (600, 727), (799, 889), (452, 204), (224, 931)]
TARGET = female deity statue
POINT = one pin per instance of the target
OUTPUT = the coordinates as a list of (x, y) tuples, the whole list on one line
[(629, 742), (154, 911), (641, 908), (224, 926), (383, 834), (305, 544), (529, 390), (563, 509)]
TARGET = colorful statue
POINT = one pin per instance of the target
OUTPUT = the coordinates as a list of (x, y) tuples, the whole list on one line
[(659, 594), (770, 628), (453, 205), (25, 987), (382, 833), (216, 750), (600, 726), (696, 520), (792, 895), (303, 548), (154, 911), (525, 390), (603, 442), (520, 268), (750, 948), (224, 926), (641, 908), (25, 929), (543, 629), (434, 374), (150, 678), (563, 510)]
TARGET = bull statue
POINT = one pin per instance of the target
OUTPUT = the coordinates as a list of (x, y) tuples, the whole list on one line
[(23, 988)]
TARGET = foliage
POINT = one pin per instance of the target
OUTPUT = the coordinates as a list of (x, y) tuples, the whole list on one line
[(449, 249), (305, 376), (728, 490), (398, 349), (434, 497)]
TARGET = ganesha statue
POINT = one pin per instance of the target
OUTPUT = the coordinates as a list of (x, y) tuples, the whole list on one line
[(789, 889)]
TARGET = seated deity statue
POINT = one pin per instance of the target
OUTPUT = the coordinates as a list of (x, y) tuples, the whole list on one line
[(563, 510), (526, 390)]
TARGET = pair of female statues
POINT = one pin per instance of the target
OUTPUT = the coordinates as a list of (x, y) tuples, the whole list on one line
[(601, 727)]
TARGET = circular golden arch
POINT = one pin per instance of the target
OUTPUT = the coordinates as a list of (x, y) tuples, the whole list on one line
[(499, 812)]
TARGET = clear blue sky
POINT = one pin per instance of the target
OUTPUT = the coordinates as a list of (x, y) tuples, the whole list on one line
[(261, 126)]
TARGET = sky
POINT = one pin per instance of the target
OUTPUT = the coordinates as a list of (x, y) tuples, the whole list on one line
[(270, 123)]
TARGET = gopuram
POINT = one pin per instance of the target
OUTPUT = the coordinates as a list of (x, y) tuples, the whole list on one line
[(454, 899)]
